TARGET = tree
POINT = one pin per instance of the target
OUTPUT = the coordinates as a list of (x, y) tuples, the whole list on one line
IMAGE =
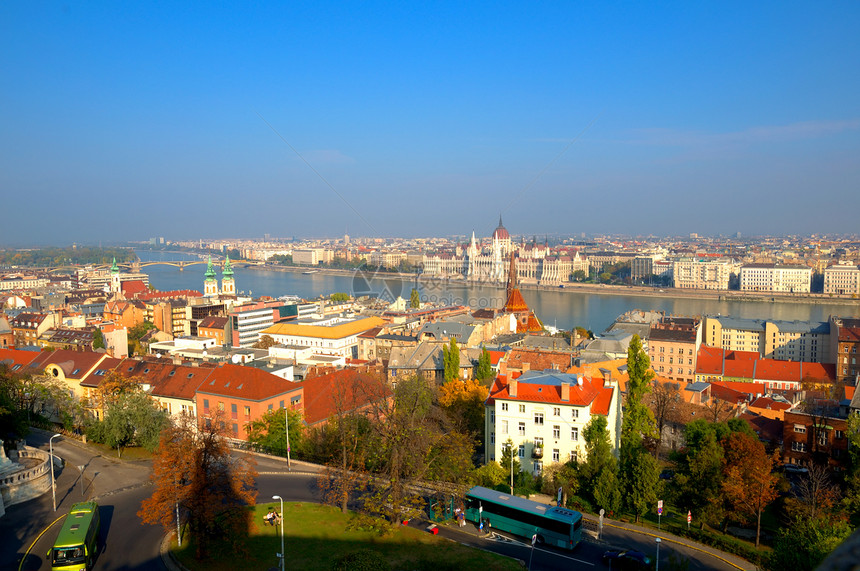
[(195, 471), (484, 370), (269, 431), (339, 297), (414, 299), (464, 404), (814, 493), (749, 485), (698, 482), (599, 472), (133, 417), (510, 461), (98, 339), (804, 544), (491, 474), (265, 342), (666, 399), (451, 361), (641, 490), (578, 276)]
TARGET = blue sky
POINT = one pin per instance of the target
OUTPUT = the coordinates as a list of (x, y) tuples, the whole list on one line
[(126, 120)]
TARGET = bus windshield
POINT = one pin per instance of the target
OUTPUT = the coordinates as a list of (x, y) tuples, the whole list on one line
[(68, 555)]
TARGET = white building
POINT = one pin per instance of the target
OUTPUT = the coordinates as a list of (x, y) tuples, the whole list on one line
[(544, 414), (332, 336), (842, 279), (776, 278), (691, 273)]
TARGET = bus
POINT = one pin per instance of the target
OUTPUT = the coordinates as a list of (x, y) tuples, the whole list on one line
[(78, 541), (544, 524)]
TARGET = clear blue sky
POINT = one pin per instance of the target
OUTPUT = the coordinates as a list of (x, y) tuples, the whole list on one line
[(122, 120)]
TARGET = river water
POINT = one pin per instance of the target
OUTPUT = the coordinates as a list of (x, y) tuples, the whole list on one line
[(562, 308)]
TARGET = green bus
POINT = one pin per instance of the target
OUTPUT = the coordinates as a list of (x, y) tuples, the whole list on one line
[(78, 541), (545, 524)]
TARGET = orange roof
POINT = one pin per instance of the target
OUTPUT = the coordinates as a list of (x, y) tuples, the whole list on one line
[(246, 383), (75, 364), (601, 403), (14, 357), (516, 302), (496, 356), (770, 404), (583, 394), (538, 359), (346, 389)]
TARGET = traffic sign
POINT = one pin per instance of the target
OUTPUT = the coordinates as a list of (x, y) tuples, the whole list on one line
[(659, 507), (689, 516)]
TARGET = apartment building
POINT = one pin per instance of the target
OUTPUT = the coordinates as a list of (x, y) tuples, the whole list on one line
[(336, 336), (249, 320), (673, 346), (544, 415), (776, 278), (690, 273), (772, 339), (842, 279), (847, 335)]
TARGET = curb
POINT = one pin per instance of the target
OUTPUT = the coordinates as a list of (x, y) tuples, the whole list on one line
[(167, 557)]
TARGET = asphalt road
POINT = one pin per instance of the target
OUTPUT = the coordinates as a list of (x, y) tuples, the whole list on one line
[(129, 544)]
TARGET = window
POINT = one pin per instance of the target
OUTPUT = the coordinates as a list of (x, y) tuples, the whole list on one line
[(574, 414), (538, 465), (492, 417), (573, 456), (800, 429), (838, 435), (539, 418), (234, 411), (504, 427), (281, 405), (235, 429), (522, 429), (522, 451), (247, 411), (504, 406), (206, 406), (574, 433), (556, 411), (798, 446), (221, 406), (522, 408), (556, 431), (492, 438), (555, 455), (822, 438)]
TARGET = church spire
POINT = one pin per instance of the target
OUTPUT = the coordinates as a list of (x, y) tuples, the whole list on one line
[(228, 268)]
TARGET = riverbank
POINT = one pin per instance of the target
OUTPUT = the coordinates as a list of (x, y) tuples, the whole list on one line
[(596, 289)]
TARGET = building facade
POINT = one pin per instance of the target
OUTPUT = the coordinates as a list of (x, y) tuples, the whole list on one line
[(776, 278), (786, 340), (689, 273), (842, 279)]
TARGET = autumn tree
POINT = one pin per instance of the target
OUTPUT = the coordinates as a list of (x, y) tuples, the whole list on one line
[(464, 404), (451, 361), (265, 342), (194, 470), (665, 399), (814, 494), (749, 485)]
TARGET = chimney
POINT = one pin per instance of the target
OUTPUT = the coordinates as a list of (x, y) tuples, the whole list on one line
[(565, 392), (526, 367), (503, 368), (512, 388)]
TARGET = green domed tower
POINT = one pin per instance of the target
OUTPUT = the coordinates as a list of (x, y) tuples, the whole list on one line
[(210, 284), (228, 285)]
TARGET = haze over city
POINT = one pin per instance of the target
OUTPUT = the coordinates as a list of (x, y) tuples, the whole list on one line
[(122, 122)]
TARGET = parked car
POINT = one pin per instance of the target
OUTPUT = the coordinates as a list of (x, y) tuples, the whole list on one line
[(626, 559)]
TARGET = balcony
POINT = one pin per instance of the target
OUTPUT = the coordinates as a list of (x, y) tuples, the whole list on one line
[(537, 452)]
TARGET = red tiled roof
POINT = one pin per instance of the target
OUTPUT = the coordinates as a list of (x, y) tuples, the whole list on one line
[(732, 391), (18, 357), (538, 360), (601, 403), (767, 429), (169, 294), (496, 356), (516, 302), (213, 322), (769, 403), (107, 365), (131, 288), (346, 389), (69, 361), (580, 394), (246, 383)]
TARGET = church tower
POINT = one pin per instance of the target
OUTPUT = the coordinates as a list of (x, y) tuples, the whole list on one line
[(115, 284), (228, 285), (210, 284)]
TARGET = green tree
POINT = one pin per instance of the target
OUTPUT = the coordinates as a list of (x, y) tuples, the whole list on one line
[(98, 339), (491, 474), (641, 490), (484, 370), (698, 482), (510, 460), (414, 299), (269, 431), (339, 297), (804, 544), (133, 417), (451, 361), (578, 276), (599, 472)]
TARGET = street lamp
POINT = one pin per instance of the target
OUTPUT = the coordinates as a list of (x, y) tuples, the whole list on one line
[(53, 482), (282, 555), (81, 469), (287, 433), (657, 559)]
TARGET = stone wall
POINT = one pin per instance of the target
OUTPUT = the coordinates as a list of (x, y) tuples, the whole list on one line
[(31, 483)]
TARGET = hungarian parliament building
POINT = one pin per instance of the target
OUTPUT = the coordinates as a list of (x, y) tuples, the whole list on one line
[(535, 263)]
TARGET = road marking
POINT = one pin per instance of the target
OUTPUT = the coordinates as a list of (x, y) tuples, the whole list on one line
[(567, 557), (503, 538), (23, 559)]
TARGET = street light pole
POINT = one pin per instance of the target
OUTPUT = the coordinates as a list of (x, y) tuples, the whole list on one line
[(53, 482), (287, 428), (657, 559), (282, 555), (81, 469)]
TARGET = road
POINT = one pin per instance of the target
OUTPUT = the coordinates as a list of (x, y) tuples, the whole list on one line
[(129, 544)]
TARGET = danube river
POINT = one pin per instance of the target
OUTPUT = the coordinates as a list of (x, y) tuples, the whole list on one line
[(563, 308)]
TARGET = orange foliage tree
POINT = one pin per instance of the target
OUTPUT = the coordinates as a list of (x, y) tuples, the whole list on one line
[(194, 470), (749, 485)]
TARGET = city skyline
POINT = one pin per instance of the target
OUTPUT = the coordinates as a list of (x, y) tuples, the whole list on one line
[(376, 120)]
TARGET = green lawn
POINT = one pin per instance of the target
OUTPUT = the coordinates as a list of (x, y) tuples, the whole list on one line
[(315, 536)]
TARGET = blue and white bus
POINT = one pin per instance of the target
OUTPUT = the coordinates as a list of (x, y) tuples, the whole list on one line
[(551, 525)]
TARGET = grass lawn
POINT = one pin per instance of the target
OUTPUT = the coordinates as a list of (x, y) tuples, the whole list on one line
[(315, 536), (130, 454)]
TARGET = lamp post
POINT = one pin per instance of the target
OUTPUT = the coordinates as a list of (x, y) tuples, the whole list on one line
[(512, 469), (287, 432), (657, 559), (53, 482), (81, 470), (282, 555)]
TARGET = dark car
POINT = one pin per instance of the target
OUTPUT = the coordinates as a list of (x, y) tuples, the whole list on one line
[(626, 559)]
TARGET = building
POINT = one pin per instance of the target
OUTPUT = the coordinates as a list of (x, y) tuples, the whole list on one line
[(787, 340), (21, 281), (426, 360), (815, 436), (28, 327), (74, 339), (336, 336), (312, 256), (673, 346), (715, 364), (847, 335), (691, 273), (544, 414), (249, 320), (214, 327), (235, 395), (124, 313), (776, 278), (342, 392), (842, 279)]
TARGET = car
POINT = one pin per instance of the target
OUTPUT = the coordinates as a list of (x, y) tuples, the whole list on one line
[(794, 469), (626, 559)]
